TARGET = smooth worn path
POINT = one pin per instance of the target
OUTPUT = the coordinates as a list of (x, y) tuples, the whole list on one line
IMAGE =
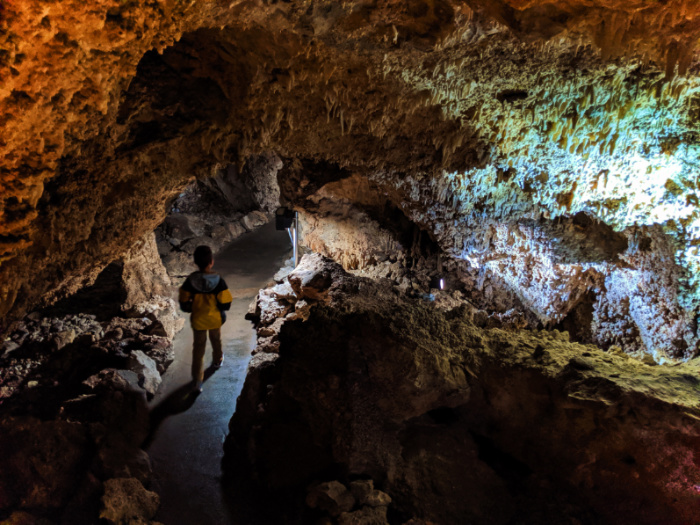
[(188, 431)]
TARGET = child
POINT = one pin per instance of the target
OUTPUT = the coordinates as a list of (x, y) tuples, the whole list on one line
[(206, 296)]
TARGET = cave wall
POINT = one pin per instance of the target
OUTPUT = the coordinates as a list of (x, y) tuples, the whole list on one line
[(493, 126), (458, 421)]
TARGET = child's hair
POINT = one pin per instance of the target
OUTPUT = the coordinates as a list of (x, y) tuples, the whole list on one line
[(203, 256)]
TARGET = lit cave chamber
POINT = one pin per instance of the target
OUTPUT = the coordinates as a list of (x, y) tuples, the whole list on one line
[(539, 159)]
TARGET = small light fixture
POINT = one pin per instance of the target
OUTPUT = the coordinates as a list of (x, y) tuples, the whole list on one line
[(284, 218), (438, 282)]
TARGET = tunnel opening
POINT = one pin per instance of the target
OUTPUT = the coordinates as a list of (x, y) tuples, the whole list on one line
[(98, 357)]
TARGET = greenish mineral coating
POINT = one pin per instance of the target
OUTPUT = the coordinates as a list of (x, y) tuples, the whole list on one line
[(573, 134)]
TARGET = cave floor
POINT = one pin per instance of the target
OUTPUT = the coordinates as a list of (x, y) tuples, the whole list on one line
[(186, 445)]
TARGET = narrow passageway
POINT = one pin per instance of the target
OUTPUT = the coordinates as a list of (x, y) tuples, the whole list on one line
[(187, 440)]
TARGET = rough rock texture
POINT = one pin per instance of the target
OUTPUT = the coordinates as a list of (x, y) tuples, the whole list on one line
[(358, 504), (42, 462), (338, 222), (492, 125), (126, 501), (217, 210), (73, 390), (462, 424)]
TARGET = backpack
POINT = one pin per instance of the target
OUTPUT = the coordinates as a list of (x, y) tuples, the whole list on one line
[(187, 306)]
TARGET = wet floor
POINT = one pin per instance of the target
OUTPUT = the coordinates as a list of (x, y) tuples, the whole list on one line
[(186, 445)]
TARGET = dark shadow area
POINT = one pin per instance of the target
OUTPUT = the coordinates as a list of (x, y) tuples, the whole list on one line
[(579, 320), (248, 502), (508, 468), (177, 402), (103, 299), (582, 238), (579, 239), (177, 89)]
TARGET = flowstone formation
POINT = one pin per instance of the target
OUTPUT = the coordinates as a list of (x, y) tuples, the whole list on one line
[(455, 421), (511, 132)]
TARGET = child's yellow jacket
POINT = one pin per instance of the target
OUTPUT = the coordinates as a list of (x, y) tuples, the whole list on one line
[(207, 297)]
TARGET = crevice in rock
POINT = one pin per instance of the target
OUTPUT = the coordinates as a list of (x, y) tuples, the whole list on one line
[(579, 321), (514, 472)]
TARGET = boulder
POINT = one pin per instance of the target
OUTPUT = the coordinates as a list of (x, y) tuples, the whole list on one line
[(377, 498), (120, 380), (7, 347), (118, 459), (313, 277), (225, 233), (270, 307), (253, 313), (254, 220), (361, 489), (332, 497), (148, 377), (126, 499), (160, 349), (179, 264), (62, 339), (190, 246), (364, 516)]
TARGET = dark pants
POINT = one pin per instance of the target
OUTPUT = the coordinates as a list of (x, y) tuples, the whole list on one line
[(200, 346)]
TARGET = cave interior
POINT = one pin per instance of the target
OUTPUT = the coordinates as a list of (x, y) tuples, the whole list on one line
[(495, 318)]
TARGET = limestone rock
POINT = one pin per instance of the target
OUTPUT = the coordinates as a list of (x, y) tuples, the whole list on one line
[(361, 489), (377, 498), (64, 338), (365, 494), (270, 307), (179, 264), (190, 246), (148, 377), (122, 380), (283, 272), (42, 462), (119, 460), (254, 311), (312, 278), (227, 232), (427, 136), (125, 499), (364, 516), (254, 220), (435, 405), (182, 226), (143, 274), (332, 497)]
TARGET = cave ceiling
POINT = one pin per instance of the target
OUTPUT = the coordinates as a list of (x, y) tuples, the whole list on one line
[(462, 112)]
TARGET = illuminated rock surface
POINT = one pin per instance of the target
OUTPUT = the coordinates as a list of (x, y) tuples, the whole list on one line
[(459, 423), (541, 158), (493, 127)]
